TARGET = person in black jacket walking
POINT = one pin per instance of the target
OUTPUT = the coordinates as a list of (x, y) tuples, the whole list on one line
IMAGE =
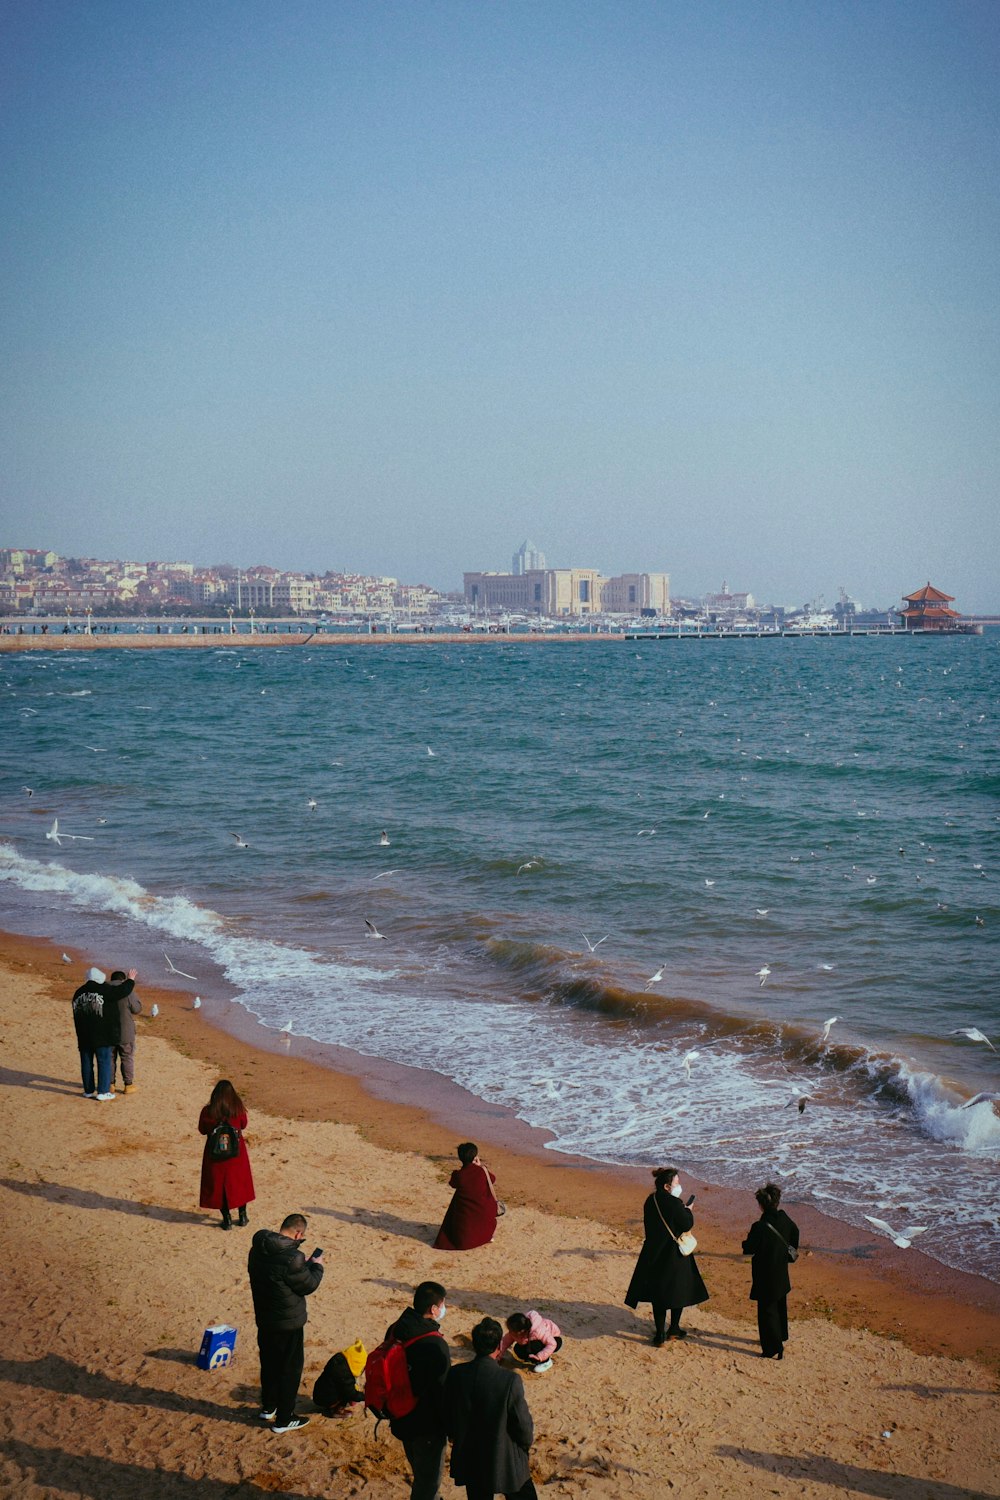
[(96, 1019), (662, 1275), (280, 1280), (489, 1423), (768, 1243), (423, 1432)]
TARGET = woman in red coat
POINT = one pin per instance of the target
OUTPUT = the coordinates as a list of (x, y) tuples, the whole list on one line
[(471, 1219), (226, 1185)]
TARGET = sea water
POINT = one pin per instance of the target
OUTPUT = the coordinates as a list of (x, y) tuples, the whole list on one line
[(824, 809)]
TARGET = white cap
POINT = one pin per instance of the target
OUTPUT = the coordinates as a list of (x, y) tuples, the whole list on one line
[(96, 976)]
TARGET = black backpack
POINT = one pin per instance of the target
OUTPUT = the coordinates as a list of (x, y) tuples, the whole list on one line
[(224, 1142)]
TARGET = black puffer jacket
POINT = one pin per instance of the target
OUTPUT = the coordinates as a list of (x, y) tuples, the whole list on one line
[(280, 1279)]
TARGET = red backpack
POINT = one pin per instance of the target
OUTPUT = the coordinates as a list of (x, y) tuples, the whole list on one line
[(388, 1392)]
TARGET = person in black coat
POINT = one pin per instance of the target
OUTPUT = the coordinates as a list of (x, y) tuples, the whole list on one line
[(768, 1243), (281, 1278), (662, 1275), (423, 1432), (489, 1423)]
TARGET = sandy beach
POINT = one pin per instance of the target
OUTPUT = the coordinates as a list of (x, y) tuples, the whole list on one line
[(888, 1387)]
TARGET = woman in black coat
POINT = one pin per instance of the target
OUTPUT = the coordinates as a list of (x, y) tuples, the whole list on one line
[(662, 1275), (768, 1243)]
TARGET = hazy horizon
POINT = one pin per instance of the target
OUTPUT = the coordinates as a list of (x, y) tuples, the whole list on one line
[(388, 288)]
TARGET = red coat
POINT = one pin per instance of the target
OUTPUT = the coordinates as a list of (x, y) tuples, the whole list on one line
[(232, 1177), (471, 1219)]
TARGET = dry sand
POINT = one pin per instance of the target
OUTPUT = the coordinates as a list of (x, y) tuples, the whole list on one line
[(112, 1272)]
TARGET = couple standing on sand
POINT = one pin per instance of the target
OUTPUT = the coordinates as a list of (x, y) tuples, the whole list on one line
[(105, 1031)]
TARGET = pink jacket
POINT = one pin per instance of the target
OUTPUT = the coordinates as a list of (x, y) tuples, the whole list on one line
[(541, 1328)]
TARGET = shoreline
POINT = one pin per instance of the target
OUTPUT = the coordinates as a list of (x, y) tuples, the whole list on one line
[(844, 1276)]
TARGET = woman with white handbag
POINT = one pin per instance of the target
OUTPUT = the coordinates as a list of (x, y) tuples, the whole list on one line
[(666, 1273)]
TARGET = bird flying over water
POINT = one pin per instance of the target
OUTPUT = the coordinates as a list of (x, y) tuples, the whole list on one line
[(174, 970), (431, 753), (241, 843), (688, 1059), (54, 834), (655, 978), (762, 974), (529, 864), (384, 839), (902, 1238), (988, 1096), (974, 1034), (373, 930), (826, 1028), (594, 946), (28, 791), (312, 804)]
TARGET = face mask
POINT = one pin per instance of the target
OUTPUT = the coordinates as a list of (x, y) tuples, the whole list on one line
[(441, 1313), (676, 1190)]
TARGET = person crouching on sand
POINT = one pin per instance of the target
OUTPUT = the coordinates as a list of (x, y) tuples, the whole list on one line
[(531, 1340), (471, 1219)]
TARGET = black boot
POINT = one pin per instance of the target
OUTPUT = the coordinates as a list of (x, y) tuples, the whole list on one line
[(227, 1220), (243, 1221)]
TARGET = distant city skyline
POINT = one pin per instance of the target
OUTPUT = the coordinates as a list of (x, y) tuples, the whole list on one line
[(711, 291)]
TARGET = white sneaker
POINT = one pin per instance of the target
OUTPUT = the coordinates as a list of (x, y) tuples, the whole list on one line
[(90, 1096), (546, 1364), (293, 1425), (104, 1096)]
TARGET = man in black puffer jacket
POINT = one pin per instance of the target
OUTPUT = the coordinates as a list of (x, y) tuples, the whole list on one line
[(281, 1279)]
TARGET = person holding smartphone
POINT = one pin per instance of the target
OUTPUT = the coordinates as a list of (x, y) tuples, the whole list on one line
[(281, 1278), (664, 1274)]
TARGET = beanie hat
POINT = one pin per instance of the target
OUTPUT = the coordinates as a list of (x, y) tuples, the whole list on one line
[(96, 976)]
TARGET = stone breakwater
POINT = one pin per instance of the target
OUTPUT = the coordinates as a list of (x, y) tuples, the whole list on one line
[(11, 644)]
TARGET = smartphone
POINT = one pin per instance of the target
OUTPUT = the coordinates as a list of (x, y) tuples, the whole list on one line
[(317, 1251), (690, 1201)]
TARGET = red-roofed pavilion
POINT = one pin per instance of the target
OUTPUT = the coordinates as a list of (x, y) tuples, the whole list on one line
[(927, 609)]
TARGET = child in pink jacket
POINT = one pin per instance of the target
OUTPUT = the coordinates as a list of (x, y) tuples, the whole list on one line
[(531, 1339)]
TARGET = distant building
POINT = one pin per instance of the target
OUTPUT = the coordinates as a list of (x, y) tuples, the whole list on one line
[(726, 603), (527, 559), (636, 593), (927, 609)]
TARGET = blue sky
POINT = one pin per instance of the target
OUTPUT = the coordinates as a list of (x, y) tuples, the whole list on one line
[(703, 287)]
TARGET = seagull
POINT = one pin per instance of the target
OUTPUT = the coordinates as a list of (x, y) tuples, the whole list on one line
[(155, 1011), (800, 1099), (762, 974), (709, 882), (988, 1096), (980, 922), (762, 911), (827, 968), (196, 1004), (529, 864), (974, 1034), (902, 1238), (688, 1059), (29, 792), (241, 843), (373, 930), (655, 978), (594, 946), (384, 873), (384, 839), (174, 970), (286, 1028), (57, 837), (826, 1028), (312, 804), (871, 879), (66, 959), (645, 833), (431, 753)]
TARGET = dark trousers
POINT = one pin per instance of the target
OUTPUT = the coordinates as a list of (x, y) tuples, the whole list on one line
[(526, 1492), (772, 1325), (531, 1353), (282, 1356), (125, 1057), (426, 1459), (660, 1317)]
